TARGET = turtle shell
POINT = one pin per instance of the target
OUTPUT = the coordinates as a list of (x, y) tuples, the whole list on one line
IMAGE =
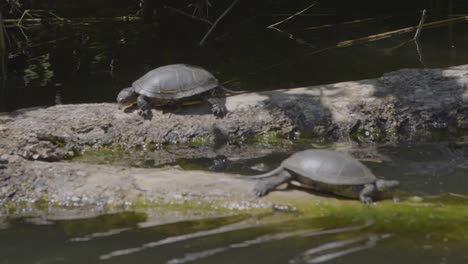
[(329, 167), (175, 81)]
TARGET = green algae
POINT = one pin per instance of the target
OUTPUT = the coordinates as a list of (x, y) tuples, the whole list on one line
[(106, 155), (199, 142), (102, 223), (443, 217)]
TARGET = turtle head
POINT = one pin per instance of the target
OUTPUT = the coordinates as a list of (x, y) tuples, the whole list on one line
[(384, 185), (127, 96)]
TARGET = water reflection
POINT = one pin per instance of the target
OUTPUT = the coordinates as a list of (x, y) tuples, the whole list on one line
[(175, 239), (357, 244), (91, 63), (128, 239), (190, 257)]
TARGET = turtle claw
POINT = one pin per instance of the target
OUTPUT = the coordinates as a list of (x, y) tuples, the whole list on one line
[(146, 114), (217, 110), (260, 192), (367, 200)]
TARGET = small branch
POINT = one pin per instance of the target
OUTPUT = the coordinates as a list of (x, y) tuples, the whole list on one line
[(189, 15), (216, 22), (371, 38), (458, 195), (2, 36), (420, 54), (290, 17), (389, 34), (38, 21), (344, 23), (421, 23)]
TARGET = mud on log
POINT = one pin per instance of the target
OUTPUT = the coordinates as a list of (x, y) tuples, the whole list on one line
[(406, 104)]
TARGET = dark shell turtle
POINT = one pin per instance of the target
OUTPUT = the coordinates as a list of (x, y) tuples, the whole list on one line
[(170, 83), (325, 171)]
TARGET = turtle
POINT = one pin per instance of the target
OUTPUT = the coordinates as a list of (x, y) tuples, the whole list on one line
[(326, 171), (174, 83)]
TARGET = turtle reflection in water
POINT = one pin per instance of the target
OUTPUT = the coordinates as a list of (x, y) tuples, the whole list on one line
[(174, 83), (325, 171)]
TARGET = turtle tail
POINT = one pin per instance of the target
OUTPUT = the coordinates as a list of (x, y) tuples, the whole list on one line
[(265, 175), (231, 91)]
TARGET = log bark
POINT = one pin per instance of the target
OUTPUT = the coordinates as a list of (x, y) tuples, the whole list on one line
[(71, 190), (409, 104)]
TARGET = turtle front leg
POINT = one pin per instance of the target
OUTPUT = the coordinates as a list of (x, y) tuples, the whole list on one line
[(266, 185), (144, 105), (217, 106), (366, 193)]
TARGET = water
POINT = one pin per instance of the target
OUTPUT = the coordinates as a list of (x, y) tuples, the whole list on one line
[(422, 169), (373, 235), (127, 238), (91, 63)]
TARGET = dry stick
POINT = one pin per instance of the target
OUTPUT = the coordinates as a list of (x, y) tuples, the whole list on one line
[(458, 195), (344, 23), (420, 54), (416, 37), (2, 35), (3, 88), (216, 22), (349, 43), (290, 35), (389, 34), (290, 17), (76, 20), (421, 23), (188, 15)]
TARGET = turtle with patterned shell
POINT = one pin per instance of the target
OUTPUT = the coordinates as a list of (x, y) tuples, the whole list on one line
[(173, 84), (326, 171)]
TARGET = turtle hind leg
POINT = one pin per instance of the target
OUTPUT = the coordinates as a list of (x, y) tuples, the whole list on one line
[(266, 185), (144, 104), (366, 194)]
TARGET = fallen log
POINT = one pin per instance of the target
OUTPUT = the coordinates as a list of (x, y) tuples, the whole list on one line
[(44, 191), (406, 104)]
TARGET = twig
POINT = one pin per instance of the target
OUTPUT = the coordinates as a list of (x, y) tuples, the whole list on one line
[(189, 15), (2, 35), (199, 6), (290, 17), (458, 195), (421, 23), (216, 22), (349, 43), (3, 88), (389, 34), (421, 56), (344, 23), (75, 20)]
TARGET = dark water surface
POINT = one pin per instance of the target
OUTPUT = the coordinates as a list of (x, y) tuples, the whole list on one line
[(92, 61), (126, 238), (423, 169)]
